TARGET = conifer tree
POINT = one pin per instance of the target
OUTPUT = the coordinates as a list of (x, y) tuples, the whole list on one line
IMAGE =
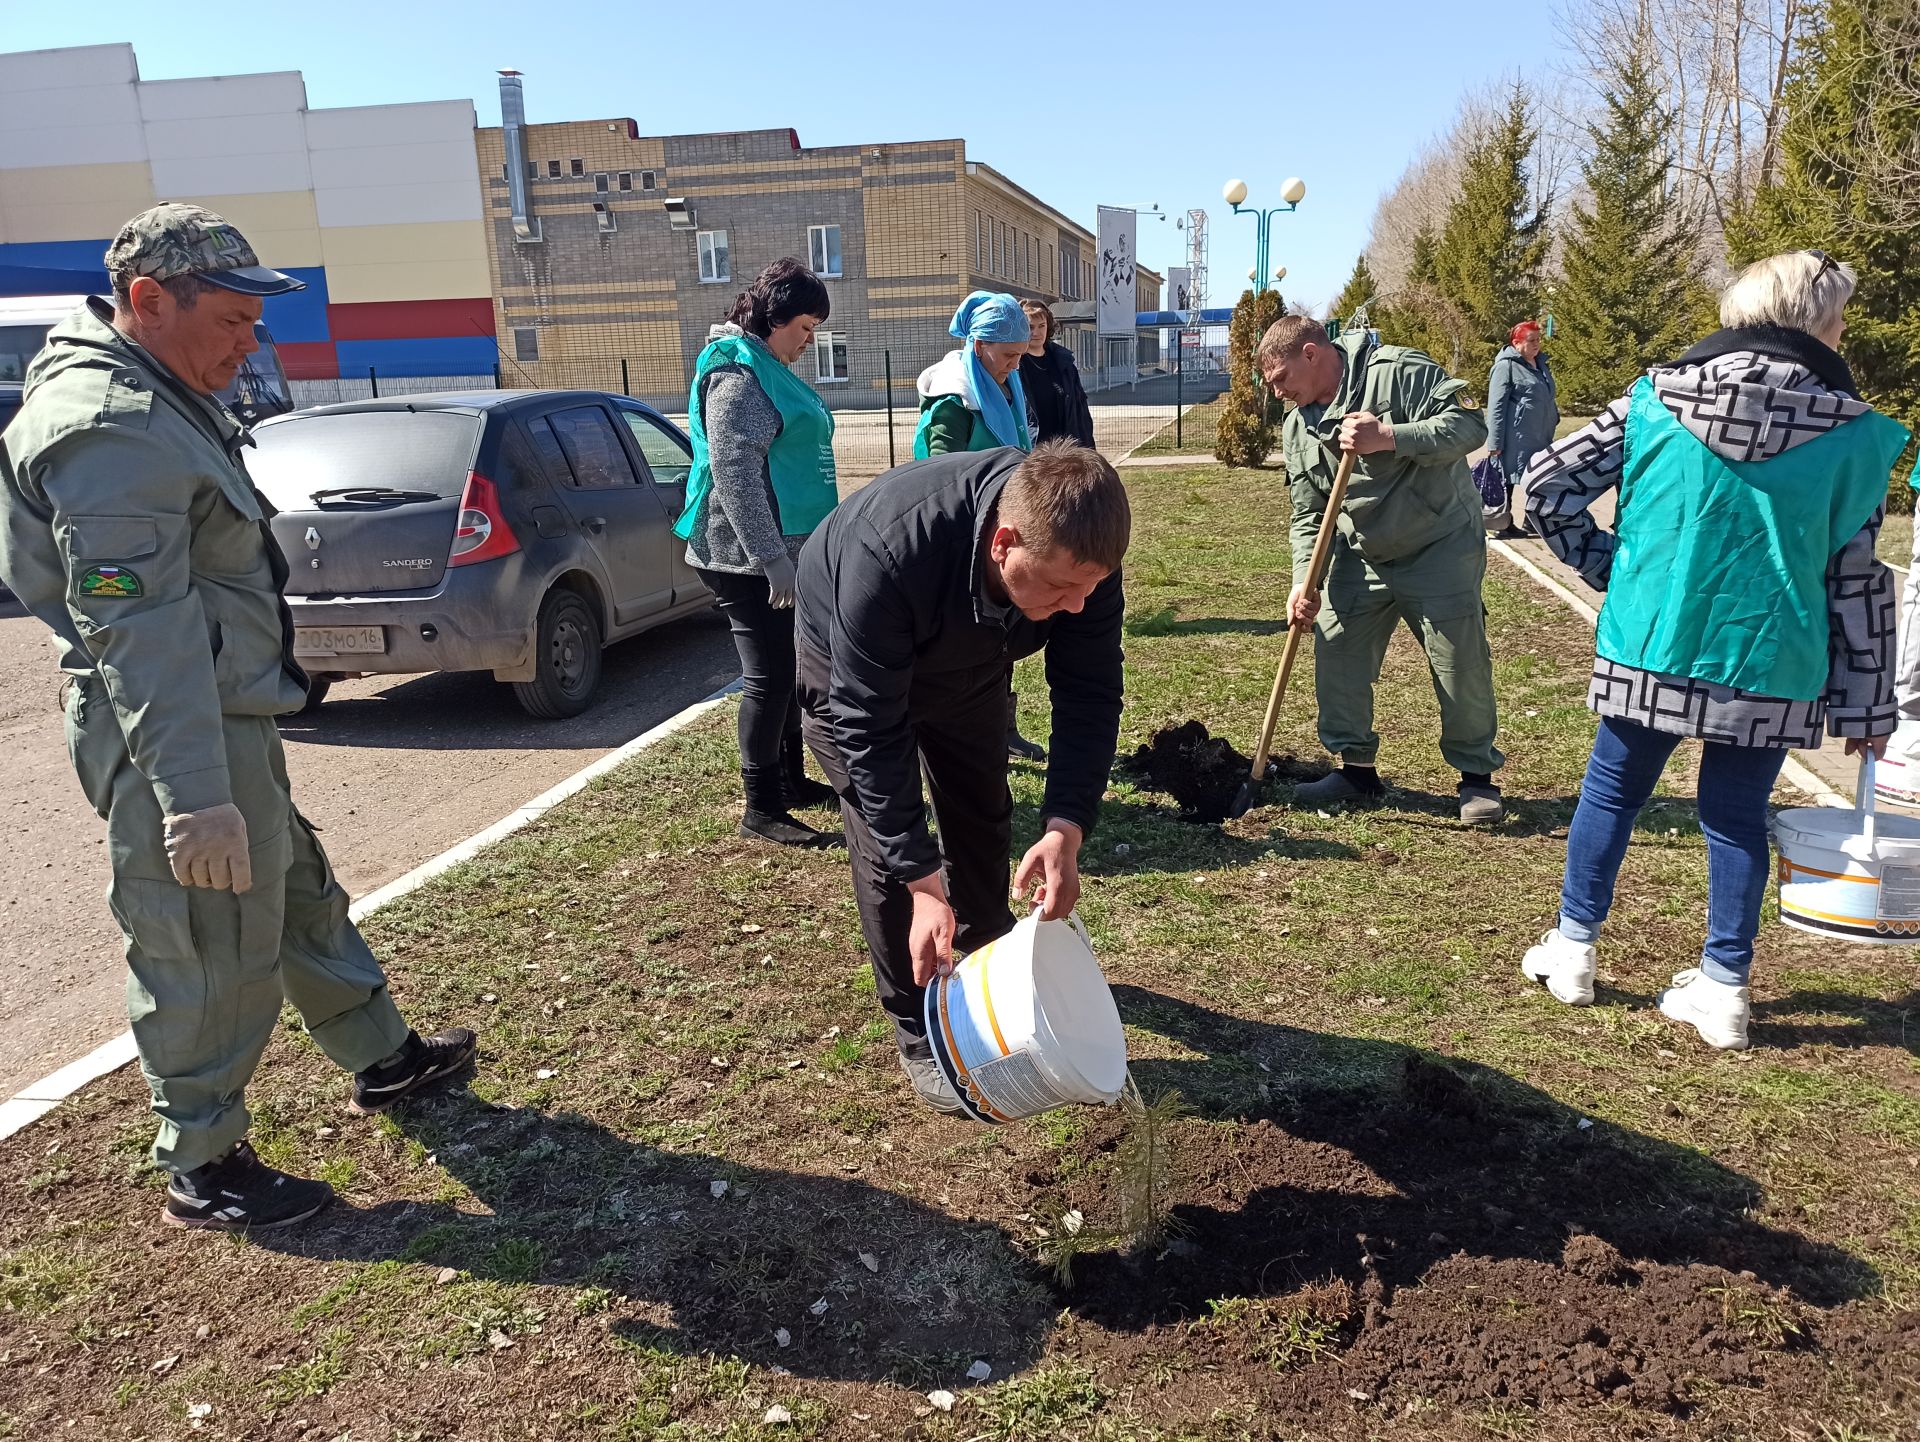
[(1358, 291), (1488, 256), (1840, 99), (1629, 287)]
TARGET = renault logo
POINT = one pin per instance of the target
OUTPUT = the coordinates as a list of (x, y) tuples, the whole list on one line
[(313, 539)]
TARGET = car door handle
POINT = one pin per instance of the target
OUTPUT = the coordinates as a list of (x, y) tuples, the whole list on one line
[(596, 524)]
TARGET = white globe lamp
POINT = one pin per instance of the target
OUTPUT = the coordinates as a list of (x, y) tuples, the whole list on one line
[(1234, 192), (1294, 191)]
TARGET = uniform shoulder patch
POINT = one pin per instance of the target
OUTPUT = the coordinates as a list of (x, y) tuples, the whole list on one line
[(110, 583), (1466, 402)]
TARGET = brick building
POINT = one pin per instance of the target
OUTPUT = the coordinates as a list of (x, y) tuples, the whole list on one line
[(620, 247)]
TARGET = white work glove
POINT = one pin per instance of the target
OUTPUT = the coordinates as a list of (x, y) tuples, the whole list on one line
[(780, 582), (209, 848)]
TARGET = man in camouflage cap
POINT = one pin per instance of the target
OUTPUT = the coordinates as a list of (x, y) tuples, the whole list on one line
[(129, 526)]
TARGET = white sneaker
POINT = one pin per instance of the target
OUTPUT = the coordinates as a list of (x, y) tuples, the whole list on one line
[(1565, 966), (1712, 1008)]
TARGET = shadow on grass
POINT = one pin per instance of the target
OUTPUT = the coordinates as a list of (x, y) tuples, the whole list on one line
[(1166, 622), (1147, 838), (1461, 1157), (1875, 1022), (574, 1205)]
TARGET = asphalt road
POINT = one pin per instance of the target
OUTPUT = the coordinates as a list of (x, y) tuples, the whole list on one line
[(394, 770)]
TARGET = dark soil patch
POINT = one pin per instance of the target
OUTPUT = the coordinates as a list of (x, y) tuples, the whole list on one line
[(1204, 773), (1465, 1295)]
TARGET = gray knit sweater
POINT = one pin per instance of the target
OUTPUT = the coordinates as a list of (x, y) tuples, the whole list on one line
[(737, 527)]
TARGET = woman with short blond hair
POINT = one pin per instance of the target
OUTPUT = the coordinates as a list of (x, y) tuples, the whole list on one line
[(1744, 606)]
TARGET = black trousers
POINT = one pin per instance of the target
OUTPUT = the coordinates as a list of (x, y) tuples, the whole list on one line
[(769, 710), (960, 725)]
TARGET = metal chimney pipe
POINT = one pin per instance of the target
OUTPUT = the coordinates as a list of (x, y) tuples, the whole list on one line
[(513, 125)]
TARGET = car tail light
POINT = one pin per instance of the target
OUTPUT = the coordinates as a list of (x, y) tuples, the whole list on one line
[(482, 532)]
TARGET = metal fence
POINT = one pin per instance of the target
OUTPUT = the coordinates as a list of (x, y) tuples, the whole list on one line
[(874, 399)]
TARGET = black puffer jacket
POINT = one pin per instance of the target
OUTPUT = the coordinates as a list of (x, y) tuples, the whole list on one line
[(1056, 401), (893, 593)]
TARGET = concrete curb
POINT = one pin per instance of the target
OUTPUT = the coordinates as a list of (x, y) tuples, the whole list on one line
[(1795, 771), (31, 1102)]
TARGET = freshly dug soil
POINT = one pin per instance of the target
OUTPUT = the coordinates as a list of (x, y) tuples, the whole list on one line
[(1203, 772)]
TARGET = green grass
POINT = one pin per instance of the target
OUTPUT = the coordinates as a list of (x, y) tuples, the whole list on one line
[(1197, 427), (1278, 972)]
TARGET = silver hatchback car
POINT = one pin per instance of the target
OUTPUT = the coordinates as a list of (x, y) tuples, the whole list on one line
[(516, 532)]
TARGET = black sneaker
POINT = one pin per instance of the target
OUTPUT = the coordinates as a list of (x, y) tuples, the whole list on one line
[(240, 1193), (419, 1065)]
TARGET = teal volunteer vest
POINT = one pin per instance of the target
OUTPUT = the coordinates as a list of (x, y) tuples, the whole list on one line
[(1720, 569), (800, 460)]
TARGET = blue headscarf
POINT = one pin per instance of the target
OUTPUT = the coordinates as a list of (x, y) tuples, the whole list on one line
[(986, 316)]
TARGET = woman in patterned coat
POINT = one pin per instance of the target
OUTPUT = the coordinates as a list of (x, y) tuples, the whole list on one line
[(1744, 605)]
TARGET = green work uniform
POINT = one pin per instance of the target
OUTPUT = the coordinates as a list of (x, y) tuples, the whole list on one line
[(1410, 547), (129, 526)]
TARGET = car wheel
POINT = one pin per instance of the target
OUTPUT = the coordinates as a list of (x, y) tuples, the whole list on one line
[(317, 688), (566, 659)]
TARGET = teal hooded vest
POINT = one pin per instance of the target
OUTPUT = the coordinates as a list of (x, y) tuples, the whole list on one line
[(1719, 573), (800, 461)]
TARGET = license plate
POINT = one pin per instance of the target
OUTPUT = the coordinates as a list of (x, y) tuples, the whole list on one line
[(339, 640)]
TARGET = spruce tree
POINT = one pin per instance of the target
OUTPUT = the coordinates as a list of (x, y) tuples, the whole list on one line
[(1818, 198), (1359, 290), (1488, 256), (1628, 289)]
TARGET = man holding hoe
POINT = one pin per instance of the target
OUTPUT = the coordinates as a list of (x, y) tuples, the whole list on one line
[(1410, 546)]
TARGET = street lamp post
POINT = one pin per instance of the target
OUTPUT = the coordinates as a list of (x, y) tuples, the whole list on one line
[(1234, 192)]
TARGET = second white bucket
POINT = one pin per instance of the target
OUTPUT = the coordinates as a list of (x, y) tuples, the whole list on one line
[(1850, 873), (1026, 1024)]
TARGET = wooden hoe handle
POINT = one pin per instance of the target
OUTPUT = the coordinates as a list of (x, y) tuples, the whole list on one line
[(1316, 573)]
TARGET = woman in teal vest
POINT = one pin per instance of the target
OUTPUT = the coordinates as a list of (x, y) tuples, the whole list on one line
[(762, 481), (972, 399), (1744, 606)]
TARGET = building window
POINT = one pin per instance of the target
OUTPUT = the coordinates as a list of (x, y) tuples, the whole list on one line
[(526, 343), (713, 257), (601, 182), (646, 180), (577, 166), (823, 250), (533, 170), (829, 356), (553, 169), (979, 243), (626, 180), (1051, 268)]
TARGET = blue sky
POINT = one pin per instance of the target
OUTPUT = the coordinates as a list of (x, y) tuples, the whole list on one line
[(1120, 103)]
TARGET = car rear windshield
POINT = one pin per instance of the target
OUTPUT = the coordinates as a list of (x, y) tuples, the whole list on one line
[(385, 450)]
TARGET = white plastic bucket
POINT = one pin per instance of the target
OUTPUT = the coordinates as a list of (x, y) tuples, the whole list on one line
[(1026, 1024), (1850, 873)]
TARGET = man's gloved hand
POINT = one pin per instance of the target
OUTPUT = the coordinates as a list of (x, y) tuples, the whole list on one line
[(209, 848), (780, 582)]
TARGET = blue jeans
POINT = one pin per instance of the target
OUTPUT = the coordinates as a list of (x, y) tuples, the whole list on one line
[(1735, 782)]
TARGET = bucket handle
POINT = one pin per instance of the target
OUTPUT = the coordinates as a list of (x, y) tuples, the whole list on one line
[(1072, 919), (1863, 798)]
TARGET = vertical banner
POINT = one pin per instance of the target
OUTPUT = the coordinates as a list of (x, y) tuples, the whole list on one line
[(1117, 307), (1179, 288)]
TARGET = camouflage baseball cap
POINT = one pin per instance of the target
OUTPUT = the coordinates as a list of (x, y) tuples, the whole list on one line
[(176, 239)]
